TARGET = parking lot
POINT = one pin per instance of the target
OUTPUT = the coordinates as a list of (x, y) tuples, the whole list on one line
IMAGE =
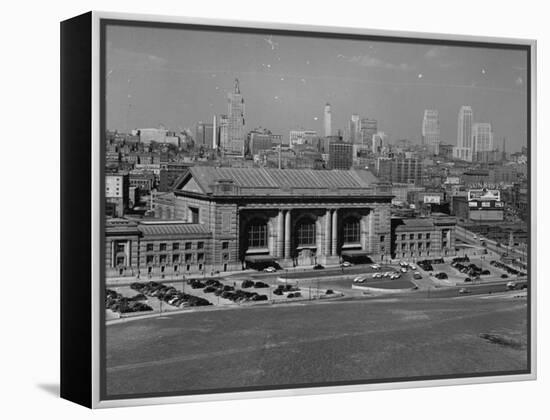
[(257, 288), (177, 296)]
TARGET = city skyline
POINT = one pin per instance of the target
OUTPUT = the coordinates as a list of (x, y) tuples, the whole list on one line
[(173, 78)]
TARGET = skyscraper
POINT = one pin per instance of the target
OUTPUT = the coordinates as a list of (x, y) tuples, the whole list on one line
[(235, 117), (368, 128), (203, 134), (463, 149), (482, 137), (328, 120), (430, 130), (224, 132), (353, 129)]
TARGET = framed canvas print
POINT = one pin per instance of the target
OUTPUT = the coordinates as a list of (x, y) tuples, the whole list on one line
[(254, 209)]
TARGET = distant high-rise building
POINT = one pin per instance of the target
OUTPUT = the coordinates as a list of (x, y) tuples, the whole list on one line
[(465, 121), (235, 117), (328, 120), (224, 132), (353, 129), (368, 128), (215, 133), (463, 149), (203, 134), (399, 170), (430, 130), (482, 140), (340, 155), (378, 142)]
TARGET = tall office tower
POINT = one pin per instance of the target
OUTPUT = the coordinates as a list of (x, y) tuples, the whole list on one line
[(430, 130), (463, 149), (215, 131), (235, 116), (368, 127), (203, 134), (482, 138), (353, 129), (465, 121), (328, 120), (224, 132)]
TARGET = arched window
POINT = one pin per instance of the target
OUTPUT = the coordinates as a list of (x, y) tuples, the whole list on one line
[(305, 233), (257, 235), (352, 231)]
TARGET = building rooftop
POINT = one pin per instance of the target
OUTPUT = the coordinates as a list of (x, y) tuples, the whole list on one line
[(262, 181), (171, 228)]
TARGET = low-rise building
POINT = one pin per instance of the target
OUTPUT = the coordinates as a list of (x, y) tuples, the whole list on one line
[(423, 238)]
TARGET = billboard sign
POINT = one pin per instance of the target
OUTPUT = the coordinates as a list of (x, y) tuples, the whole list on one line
[(432, 199), (484, 194)]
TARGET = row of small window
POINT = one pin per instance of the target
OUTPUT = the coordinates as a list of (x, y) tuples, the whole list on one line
[(175, 246), (420, 245), (411, 236), (163, 258)]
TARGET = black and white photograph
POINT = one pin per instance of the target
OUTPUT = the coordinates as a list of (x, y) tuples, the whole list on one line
[(290, 209)]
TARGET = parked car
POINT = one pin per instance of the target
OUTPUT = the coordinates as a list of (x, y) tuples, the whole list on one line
[(511, 285), (212, 282), (467, 280), (377, 275), (375, 267), (463, 291), (346, 264), (198, 285), (403, 270), (209, 289), (359, 279), (442, 276), (485, 273), (259, 297), (395, 276), (318, 267), (504, 276), (417, 276), (260, 284), (270, 269), (247, 283), (329, 292), (278, 292)]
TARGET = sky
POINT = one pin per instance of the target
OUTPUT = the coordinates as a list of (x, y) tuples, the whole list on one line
[(177, 77)]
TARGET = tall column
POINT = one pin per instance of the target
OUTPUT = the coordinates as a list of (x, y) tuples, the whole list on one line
[(328, 228), (287, 234), (113, 262), (280, 234), (363, 230), (334, 231)]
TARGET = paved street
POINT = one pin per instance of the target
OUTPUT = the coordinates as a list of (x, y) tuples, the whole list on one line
[(356, 340)]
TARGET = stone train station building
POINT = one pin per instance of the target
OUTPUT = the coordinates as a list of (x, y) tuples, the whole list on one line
[(226, 218)]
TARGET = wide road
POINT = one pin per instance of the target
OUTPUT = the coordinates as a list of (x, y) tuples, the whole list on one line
[(356, 340)]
